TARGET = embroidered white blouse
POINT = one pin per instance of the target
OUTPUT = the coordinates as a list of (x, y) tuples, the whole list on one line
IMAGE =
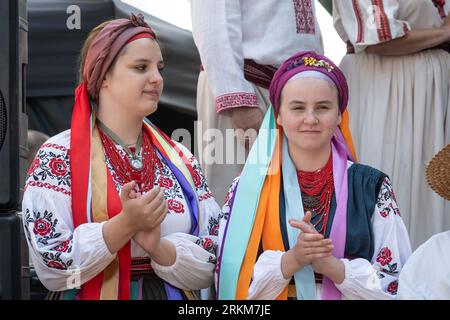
[(374, 279), (58, 250), (267, 31)]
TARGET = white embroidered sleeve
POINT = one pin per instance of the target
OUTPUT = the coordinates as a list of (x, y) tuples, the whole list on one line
[(368, 22), (193, 268), (378, 278), (267, 281), (63, 258), (217, 31)]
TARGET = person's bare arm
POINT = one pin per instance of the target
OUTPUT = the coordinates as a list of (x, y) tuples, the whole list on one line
[(414, 41)]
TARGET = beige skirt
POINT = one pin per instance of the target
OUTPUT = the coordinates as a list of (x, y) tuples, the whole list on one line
[(400, 117)]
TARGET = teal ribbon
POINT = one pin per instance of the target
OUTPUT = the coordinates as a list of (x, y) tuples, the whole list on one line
[(242, 214), (305, 283)]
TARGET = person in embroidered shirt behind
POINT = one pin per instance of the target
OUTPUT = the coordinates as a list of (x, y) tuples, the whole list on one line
[(113, 208), (310, 215), (241, 43), (398, 67)]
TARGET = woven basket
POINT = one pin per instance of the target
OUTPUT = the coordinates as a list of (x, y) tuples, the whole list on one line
[(438, 173)]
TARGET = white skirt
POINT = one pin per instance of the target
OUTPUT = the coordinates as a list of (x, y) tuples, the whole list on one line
[(400, 118)]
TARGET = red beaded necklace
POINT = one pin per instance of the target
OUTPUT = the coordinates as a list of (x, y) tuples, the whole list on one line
[(317, 190), (145, 176)]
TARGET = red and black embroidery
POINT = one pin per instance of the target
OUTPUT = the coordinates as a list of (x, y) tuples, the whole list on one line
[(200, 181), (205, 196), (46, 185), (209, 245), (234, 100), (213, 226), (44, 231), (304, 16), (53, 260), (34, 165), (51, 169), (392, 287), (43, 226), (385, 204), (65, 246), (165, 182), (384, 258), (197, 179), (175, 206)]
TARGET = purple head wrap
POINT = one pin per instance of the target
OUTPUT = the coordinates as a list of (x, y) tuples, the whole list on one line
[(308, 61), (311, 61)]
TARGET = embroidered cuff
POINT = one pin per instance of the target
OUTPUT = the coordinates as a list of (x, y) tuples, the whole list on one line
[(235, 100)]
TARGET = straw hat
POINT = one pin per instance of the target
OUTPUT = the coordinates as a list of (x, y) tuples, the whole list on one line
[(438, 173)]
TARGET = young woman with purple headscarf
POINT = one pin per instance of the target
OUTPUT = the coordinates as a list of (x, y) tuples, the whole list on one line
[(314, 223)]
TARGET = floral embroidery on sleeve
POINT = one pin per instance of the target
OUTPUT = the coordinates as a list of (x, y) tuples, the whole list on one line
[(53, 260), (44, 230), (44, 226), (386, 202), (384, 258), (50, 169), (213, 226), (209, 245), (392, 287)]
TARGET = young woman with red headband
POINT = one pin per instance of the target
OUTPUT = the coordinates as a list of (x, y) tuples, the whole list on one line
[(114, 209)]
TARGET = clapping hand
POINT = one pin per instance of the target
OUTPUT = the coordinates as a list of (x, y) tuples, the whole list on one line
[(310, 244)]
